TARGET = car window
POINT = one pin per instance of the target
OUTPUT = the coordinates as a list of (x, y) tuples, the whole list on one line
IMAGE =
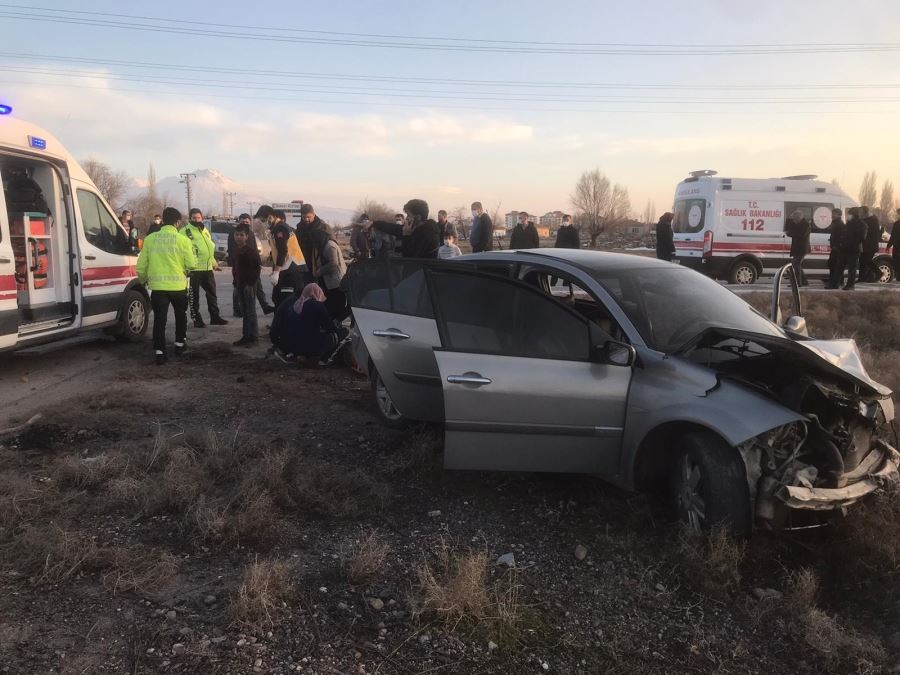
[(101, 228), (491, 315), (390, 285)]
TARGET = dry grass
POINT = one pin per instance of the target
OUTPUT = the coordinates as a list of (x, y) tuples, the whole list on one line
[(21, 500), (840, 645), (461, 590), (366, 559), (711, 562), (265, 589), (871, 534)]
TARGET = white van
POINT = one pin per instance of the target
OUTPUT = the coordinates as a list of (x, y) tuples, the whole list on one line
[(733, 228), (66, 263)]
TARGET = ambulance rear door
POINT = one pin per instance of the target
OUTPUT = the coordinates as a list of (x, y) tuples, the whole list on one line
[(9, 310)]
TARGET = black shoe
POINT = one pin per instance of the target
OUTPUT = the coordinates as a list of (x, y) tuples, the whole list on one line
[(250, 343), (161, 359), (848, 287), (240, 343), (198, 323), (268, 309), (218, 321), (180, 351)]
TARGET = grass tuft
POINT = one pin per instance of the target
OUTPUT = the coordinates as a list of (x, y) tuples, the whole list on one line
[(265, 588)]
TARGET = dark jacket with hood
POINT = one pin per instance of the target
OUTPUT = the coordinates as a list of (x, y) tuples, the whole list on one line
[(665, 239), (481, 235), (894, 241), (873, 234), (854, 236), (280, 235), (303, 238), (423, 242), (567, 237), (799, 234), (524, 236), (836, 232)]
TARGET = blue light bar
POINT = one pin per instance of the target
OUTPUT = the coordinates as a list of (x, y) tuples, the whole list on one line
[(5, 109), (37, 143)]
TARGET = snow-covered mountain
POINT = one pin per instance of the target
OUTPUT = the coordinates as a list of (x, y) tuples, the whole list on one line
[(208, 187)]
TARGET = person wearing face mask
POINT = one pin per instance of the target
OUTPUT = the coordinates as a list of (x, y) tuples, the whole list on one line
[(419, 235), (481, 234), (282, 276), (156, 225), (524, 234), (202, 275), (567, 235)]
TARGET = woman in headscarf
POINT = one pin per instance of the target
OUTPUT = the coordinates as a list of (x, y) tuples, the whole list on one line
[(305, 328)]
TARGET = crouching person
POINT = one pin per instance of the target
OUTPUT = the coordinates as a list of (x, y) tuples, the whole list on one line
[(163, 266), (247, 266), (305, 327)]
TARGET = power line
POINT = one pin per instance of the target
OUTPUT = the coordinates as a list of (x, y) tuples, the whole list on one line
[(731, 86), (204, 29)]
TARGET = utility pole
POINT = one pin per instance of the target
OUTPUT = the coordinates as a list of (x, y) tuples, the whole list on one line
[(186, 179), (251, 204), (230, 197)]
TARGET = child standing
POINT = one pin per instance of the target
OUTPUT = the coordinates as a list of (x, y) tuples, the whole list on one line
[(247, 266), (449, 249)]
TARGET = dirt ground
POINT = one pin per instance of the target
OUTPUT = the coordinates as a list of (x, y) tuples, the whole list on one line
[(229, 513)]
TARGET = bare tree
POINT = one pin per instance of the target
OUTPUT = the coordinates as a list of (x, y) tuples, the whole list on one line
[(374, 209), (886, 203), (495, 222), (149, 203), (112, 184), (868, 190), (649, 215), (619, 207), (462, 219), (591, 200)]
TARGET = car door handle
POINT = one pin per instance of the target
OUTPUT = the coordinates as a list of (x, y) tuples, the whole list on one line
[(90, 257), (391, 333), (474, 378), (4, 261)]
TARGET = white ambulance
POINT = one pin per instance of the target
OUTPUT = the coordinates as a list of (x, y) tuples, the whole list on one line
[(733, 228), (66, 263)]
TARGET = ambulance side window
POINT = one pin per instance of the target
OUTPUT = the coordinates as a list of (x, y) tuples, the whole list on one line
[(100, 227), (690, 215)]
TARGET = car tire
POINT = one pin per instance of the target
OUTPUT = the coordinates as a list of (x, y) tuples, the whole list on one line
[(743, 272), (708, 485), (885, 270), (384, 406), (134, 317)]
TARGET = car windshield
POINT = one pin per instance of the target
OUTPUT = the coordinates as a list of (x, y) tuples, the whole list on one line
[(671, 305)]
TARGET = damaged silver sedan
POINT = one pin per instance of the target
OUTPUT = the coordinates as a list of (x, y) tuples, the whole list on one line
[(641, 372)]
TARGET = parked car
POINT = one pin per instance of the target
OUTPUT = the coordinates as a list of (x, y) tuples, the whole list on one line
[(220, 230), (639, 371)]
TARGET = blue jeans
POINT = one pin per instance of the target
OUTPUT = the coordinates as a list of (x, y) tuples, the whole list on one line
[(248, 311)]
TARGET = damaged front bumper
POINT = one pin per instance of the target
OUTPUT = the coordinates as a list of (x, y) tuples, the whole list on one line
[(879, 469)]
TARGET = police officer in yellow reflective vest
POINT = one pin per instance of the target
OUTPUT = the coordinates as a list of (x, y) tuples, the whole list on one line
[(163, 267), (202, 275)]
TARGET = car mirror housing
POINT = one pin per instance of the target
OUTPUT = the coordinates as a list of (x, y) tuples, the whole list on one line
[(616, 353), (796, 325)]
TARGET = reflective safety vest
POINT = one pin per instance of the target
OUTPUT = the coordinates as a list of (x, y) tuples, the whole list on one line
[(204, 247), (165, 260)]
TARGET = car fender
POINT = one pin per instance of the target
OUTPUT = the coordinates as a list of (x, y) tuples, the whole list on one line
[(668, 390)]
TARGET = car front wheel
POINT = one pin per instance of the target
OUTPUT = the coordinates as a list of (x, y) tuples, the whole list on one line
[(384, 404), (134, 317), (743, 272), (708, 485)]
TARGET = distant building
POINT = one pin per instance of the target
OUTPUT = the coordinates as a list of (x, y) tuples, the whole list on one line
[(511, 219), (552, 220)]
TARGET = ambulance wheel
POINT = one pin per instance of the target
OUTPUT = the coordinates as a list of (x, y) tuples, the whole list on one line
[(885, 270), (134, 317), (743, 272)]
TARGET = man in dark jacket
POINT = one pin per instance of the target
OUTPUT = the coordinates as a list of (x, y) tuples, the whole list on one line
[(420, 236), (867, 270), (836, 231), (309, 221), (359, 238), (524, 234), (247, 266), (567, 235), (851, 245), (893, 245), (665, 237), (481, 235), (798, 229)]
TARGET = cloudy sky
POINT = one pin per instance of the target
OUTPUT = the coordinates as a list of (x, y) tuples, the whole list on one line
[(504, 102)]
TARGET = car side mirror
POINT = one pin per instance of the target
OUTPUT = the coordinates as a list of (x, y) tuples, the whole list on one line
[(616, 353), (796, 325)]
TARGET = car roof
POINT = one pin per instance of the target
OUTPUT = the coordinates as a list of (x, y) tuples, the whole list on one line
[(587, 260)]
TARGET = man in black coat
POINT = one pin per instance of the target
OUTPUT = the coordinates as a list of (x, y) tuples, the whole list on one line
[(851, 246), (798, 229), (665, 237), (421, 236), (867, 271), (481, 234), (524, 234), (245, 219), (567, 235), (837, 230), (893, 246)]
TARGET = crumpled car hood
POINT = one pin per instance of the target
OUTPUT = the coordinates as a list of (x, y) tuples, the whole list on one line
[(836, 358)]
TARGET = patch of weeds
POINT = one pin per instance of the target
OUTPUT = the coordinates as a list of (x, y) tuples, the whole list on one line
[(366, 558), (89, 473), (842, 646), (265, 589), (333, 490), (871, 534), (711, 562)]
